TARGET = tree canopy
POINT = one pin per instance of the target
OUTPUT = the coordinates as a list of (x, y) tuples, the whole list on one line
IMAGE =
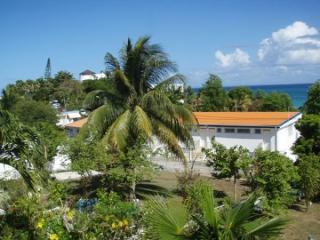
[(312, 105), (212, 95), (136, 103)]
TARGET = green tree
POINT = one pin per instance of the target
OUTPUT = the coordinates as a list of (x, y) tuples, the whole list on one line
[(135, 107), (20, 147), (172, 221), (227, 163), (309, 141), (312, 105), (43, 118), (276, 101), (274, 175), (240, 99), (212, 95), (31, 112), (309, 172)]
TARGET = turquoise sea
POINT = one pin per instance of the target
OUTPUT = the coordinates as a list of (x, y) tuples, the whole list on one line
[(298, 92)]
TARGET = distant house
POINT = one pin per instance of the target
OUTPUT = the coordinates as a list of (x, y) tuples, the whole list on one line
[(90, 75), (67, 117), (72, 129), (273, 131)]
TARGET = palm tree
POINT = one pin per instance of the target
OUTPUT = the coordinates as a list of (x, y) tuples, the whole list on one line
[(136, 104), (168, 221), (19, 147)]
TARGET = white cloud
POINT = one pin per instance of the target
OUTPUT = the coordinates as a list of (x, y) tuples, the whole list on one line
[(296, 30), (238, 57), (297, 43)]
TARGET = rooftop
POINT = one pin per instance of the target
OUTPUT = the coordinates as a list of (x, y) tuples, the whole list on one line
[(259, 119), (87, 72), (77, 124), (267, 119)]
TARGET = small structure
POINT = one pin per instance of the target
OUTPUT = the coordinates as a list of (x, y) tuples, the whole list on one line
[(90, 75), (67, 117), (73, 128)]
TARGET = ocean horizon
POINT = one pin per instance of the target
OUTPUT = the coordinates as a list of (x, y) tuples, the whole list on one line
[(297, 91)]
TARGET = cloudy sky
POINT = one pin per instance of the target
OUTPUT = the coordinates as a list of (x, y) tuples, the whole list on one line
[(248, 42)]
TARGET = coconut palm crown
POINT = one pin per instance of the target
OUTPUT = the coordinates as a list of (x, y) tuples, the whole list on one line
[(136, 104)]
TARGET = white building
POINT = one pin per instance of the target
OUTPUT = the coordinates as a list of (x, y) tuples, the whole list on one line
[(273, 131), (67, 117), (89, 75)]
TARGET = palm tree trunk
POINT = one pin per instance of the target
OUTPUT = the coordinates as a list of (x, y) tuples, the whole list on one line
[(133, 186), (235, 187)]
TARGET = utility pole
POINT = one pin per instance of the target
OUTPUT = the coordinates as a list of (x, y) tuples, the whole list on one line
[(47, 73)]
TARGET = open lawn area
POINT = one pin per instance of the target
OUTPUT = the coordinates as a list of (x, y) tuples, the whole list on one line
[(301, 223)]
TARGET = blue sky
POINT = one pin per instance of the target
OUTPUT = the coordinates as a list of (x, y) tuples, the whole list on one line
[(244, 42)]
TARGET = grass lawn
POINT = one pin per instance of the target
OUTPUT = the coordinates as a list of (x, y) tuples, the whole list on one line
[(300, 225)]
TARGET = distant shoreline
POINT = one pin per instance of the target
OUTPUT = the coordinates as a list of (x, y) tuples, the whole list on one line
[(297, 91)]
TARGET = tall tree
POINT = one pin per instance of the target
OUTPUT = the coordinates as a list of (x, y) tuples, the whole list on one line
[(212, 95), (312, 105), (136, 105), (47, 73), (240, 99)]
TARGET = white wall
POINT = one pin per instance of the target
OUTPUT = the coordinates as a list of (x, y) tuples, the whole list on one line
[(92, 77), (86, 77), (202, 138)]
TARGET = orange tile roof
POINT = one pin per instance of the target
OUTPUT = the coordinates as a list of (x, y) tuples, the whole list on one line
[(77, 124), (267, 119), (270, 119)]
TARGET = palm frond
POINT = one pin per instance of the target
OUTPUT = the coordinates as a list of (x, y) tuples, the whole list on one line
[(94, 99), (167, 221), (117, 134), (99, 120), (264, 228), (208, 206), (166, 136), (141, 122), (111, 62)]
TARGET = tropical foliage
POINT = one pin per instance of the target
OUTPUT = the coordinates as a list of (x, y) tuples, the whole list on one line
[(136, 105), (20, 147), (167, 221), (274, 175), (227, 163)]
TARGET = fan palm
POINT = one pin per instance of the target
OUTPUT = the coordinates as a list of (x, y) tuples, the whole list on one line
[(167, 221), (19, 147), (136, 104)]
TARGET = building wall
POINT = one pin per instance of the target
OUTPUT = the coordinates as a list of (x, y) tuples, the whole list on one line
[(86, 77), (265, 140), (92, 77)]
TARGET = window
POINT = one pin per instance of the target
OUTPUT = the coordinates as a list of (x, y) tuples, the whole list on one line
[(229, 130), (257, 131), (219, 130), (243, 130), (266, 130)]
